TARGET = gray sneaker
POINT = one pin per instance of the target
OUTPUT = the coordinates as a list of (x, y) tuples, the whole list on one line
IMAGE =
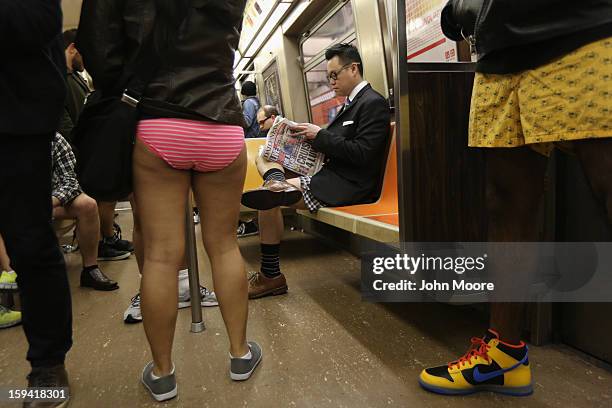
[(163, 388), (241, 369), (207, 298)]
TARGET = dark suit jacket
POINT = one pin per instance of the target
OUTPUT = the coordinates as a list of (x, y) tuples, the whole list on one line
[(354, 143)]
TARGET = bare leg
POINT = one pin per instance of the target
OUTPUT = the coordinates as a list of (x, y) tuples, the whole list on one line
[(137, 234), (595, 156), (161, 194), (271, 224), (218, 197), (5, 262), (107, 217), (515, 183), (85, 210), (264, 165)]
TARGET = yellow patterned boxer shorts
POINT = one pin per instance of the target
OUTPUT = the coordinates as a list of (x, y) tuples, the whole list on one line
[(567, 99)]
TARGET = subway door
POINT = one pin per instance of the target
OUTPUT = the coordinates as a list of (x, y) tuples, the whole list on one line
[(585, 326)]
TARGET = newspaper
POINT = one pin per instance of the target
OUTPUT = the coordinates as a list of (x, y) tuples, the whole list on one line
[(291, 152)]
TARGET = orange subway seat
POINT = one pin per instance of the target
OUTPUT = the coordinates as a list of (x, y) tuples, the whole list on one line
[(387, 203)]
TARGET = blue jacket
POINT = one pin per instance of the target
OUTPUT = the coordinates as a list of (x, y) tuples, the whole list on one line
[(33, 66), (249, 109)]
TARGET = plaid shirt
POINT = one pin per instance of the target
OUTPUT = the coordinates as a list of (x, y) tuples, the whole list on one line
[(65, 184)]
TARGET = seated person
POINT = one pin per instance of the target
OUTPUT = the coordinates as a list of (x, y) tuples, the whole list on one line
[(69, 202), (265, 119), (354, 144)]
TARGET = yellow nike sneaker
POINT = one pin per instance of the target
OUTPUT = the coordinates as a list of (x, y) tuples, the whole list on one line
[(8, 280), (489, 365)]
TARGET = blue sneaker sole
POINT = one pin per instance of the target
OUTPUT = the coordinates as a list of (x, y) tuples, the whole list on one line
[(498, 389)]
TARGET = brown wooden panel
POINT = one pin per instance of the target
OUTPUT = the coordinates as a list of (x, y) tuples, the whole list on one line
[(447, 177)]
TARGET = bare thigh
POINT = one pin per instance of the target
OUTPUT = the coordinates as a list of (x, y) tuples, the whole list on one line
[(514, 180), (595, 156), (161, 195), (218, 197)]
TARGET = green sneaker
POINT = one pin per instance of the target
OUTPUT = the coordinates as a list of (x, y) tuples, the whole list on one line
[(8, 280), (8, 317)]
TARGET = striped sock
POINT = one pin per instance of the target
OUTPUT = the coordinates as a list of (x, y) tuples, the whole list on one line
[(270, 260), (274, 174)]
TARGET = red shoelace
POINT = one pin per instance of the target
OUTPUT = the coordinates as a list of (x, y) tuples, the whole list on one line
[(478, 348)]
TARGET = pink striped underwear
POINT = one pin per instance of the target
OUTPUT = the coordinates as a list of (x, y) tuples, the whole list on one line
[(190, 144)]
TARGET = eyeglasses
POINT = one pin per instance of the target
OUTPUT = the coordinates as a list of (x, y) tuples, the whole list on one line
[(261, 122), (333, 76)]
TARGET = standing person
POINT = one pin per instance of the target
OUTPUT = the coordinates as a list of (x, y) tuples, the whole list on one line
[(544, 76), (33, 91), (250, 107), (78, 90), (110, 234), (190, 136)]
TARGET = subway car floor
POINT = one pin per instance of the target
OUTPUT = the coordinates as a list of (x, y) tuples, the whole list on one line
[(322, 345)]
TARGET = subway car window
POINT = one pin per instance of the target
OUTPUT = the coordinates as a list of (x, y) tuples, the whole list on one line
[(322, 101), (336, 29)]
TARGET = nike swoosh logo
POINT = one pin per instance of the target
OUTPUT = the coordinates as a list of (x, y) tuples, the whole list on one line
[(482, 377)]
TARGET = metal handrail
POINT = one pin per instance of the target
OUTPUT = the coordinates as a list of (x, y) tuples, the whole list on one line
[(197, 324)]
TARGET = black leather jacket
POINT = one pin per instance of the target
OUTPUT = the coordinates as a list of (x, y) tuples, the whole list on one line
[(530, 32), (196, 81)]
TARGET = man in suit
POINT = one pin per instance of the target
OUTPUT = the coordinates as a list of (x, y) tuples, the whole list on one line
[(354, 145)]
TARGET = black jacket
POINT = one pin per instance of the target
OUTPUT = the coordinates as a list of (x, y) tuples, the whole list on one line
[(354, 143), (73, 106), (514, 35), (32, 66), (197, 80)]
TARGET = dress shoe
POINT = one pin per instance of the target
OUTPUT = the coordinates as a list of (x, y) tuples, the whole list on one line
[(97, 280), (260, 285), (49, 377), (272, 194)]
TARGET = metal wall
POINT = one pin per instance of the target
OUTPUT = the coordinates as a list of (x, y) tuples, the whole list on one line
[(370, 38), (285, 51)]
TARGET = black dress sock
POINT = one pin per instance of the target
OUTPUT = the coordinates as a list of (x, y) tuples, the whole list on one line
[(270, 260), (274, 174)]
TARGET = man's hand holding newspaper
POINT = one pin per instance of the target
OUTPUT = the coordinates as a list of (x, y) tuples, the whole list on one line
[(288, 144), (308, 130)]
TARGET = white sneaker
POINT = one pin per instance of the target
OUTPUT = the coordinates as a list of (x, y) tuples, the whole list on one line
[(132, 313), (207, 297)]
